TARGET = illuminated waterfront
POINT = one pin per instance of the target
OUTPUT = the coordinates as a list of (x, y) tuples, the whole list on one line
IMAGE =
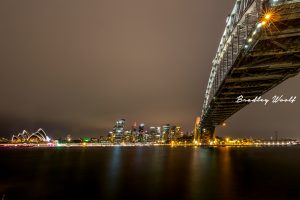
[(172, 144), (170, 136), (148, 172)]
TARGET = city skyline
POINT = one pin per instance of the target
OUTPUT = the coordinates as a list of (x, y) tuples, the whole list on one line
[(149, 99), (90, 64)]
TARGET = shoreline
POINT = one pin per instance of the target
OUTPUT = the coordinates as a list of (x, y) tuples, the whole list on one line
[(93, 145)]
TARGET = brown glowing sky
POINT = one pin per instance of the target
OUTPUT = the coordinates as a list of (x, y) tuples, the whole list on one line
[(72, 66)]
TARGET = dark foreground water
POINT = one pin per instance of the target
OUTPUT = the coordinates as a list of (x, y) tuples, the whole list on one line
[(150, 173)]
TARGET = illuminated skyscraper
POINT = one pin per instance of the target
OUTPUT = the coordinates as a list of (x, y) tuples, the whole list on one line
[(172, 132), (142, 128), (141, 132), (158, 131), (118, 130), (134, 133), (165, 132), (178, 132), (155, 133), (134, 127)]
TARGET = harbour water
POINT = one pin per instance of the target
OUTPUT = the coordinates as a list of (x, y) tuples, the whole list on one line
[(160, 172)]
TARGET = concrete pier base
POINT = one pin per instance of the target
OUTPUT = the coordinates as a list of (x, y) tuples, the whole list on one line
[(207, 135)]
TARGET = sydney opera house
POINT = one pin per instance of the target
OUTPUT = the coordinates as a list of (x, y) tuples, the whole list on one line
[(36, 137)]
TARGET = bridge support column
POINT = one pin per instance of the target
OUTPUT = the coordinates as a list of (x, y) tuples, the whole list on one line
[(207, 135), (197, 131)]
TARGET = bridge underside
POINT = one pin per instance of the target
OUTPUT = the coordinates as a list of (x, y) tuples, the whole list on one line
[(273, 58)]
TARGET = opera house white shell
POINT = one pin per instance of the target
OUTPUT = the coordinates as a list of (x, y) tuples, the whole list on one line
[(36, 137)]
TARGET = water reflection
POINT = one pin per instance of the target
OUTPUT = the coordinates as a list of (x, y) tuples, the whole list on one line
[(113, 172), (150, 173)]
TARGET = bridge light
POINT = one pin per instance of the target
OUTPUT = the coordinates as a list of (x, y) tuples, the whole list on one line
[(268, 16), (250, 40), (254, 32), (246, 46), (263, 23)]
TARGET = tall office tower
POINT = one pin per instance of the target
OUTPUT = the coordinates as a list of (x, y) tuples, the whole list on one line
[(127, 136), (172, 132), (118, 130), (134, 133), (178, 132), (141, 132), (152, 131), (155, 133), (158, 131), (165, 132), (134, 127), (142, 128)]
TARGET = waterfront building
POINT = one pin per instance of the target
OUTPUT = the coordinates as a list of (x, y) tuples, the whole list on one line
[(36, 137), (127, 137), (134, 132), (104, 140), (172, 133), (142, 128), (155, 133), (178, 132), (118, 130), (158, 133), (165, 132), (141, 132), (175, 132), (94, 140), (134, 127), (111, 137)]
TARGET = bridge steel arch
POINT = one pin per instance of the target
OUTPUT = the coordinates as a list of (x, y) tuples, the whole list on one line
[(259, 49)]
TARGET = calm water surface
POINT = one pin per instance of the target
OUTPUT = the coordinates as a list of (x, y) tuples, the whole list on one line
[(150, 173)]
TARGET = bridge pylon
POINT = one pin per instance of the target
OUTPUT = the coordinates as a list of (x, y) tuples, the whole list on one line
[(203, 134), (207, 135), (197, 131)]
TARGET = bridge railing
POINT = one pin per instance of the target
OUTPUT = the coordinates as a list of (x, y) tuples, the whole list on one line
[(241, 26)]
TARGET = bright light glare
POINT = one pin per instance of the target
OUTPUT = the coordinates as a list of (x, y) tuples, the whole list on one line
[(268, 16)]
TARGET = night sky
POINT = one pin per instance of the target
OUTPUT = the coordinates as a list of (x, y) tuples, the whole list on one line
[(75, 67)]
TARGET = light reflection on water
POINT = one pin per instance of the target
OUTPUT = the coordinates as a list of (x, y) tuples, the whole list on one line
[(150, 173)]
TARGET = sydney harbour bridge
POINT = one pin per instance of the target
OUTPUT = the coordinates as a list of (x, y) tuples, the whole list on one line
[(259, 49)]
